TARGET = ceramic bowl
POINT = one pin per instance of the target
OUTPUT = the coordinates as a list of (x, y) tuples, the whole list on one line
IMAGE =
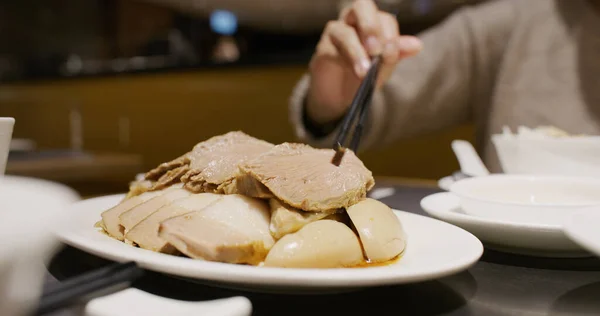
[(548, 200), (570, 156)]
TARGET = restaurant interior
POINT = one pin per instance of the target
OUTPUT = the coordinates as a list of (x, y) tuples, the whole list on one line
[(104, 91)]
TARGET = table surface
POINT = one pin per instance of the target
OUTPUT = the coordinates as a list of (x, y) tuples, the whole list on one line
[(499, 284)]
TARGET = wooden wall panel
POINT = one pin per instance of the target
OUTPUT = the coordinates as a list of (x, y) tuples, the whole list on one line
[(169, 113)]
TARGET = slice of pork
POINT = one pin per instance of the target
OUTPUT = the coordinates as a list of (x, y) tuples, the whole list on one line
[(304, 177), (110, 218), (286, 220), (234, 229), (138, 187), (170, 178), (145, 233), (214, 163), (165, 167), (135, 215)]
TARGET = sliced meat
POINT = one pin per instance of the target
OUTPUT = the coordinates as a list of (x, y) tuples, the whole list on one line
[(110, 218), (286, 219), (304, 177), (247, 185), (132, 217), (171, 177), (234, 229), (164, 167), (138, 187), (214, 163), (145, 233)]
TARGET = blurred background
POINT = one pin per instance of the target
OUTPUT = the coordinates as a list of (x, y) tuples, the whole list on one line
[(105, 89)]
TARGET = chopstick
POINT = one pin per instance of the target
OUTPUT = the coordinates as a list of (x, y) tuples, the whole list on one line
[(89, 285), (358, 108)]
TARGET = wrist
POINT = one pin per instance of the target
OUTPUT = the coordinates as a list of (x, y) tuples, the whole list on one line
[(319, 127)]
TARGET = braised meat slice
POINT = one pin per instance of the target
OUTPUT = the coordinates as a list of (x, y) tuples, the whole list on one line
[(214, 163), (304, 177), (234, 229), (138, 187), (163, 168), (287, 220)]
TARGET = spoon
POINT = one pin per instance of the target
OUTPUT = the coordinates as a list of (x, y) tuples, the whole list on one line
[(468, 159)]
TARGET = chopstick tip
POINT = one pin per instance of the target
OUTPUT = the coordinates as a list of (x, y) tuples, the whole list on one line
[(339, 154)]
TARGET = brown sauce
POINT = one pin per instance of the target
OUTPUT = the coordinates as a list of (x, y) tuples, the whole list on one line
[(368, 264)]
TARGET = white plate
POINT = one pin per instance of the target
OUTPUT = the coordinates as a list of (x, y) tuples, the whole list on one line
[(520, 238), (582, 228), (435, 249)]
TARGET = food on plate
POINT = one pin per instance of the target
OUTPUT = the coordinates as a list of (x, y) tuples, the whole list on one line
[(380, 232), (110, 218), (214, 163), (240, 200), (286, 219), (135, 215), (234, 229), (145, 233), (321, 244), (138, 187), (304, 177)]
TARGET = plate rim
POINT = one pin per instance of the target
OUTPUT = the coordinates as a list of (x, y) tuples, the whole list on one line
[(564, 248), (575, 234), (464, 218), (279, 277)]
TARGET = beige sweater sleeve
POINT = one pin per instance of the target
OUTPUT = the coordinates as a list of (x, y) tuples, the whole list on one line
[(436, 88)]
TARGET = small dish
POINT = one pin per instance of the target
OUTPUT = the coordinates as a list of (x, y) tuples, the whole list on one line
[(582, 228), (136, 302), (546, 200), (519, 238)]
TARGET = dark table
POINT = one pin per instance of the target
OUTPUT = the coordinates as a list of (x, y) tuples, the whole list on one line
[(499, 284)]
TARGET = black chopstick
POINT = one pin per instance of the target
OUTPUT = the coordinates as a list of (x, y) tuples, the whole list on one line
[(93, 284), (358, 107)]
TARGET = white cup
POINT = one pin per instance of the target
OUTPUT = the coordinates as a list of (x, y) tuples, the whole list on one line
[(6, 129)]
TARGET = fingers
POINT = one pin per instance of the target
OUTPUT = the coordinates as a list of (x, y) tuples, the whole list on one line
[(363, 31), (396, 50), (345, 39), (408, 46), (363, 15), (390, 32)]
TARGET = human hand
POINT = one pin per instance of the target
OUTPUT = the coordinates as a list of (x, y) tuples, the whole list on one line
[(342, 57)]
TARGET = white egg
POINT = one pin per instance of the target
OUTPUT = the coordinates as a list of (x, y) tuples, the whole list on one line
[(379, 229), (320, 244)]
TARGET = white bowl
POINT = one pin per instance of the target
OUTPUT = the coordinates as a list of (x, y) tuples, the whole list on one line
[(546, 200), (571, 156), (29, 210)]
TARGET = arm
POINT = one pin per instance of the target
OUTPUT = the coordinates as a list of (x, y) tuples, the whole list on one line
[(434, 89)]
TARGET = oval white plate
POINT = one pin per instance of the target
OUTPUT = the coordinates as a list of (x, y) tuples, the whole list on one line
[(435, 249), (583, 229), (520, 238)]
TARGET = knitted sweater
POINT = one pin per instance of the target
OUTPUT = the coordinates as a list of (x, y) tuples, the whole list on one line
[(504, 62)]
